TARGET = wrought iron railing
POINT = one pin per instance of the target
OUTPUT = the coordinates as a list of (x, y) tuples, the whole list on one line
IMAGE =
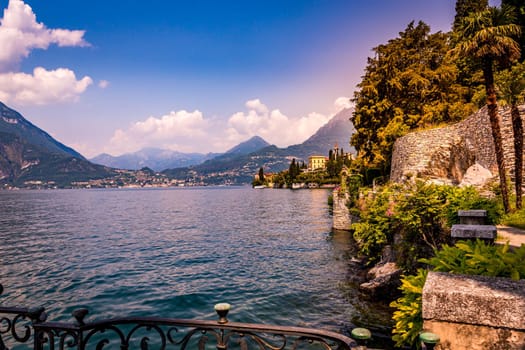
[(28, 328)]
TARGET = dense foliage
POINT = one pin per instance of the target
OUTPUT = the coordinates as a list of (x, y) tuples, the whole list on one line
[(408, 316), (410, 83), (421, 80), (519, 6), (414, 218), (465, 7), (480, 258), (465, 257)]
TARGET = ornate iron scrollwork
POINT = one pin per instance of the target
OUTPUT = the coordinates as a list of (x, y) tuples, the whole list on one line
[(20, 325), (16, 324)]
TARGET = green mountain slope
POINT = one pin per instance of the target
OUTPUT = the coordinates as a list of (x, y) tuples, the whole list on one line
[(28, 153)]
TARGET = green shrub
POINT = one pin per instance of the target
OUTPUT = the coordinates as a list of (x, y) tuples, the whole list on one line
[(515, 219), (415, 218), (374, 230), (466, 198), (465, 257), (480, 258), (408, 317), (419, 223)]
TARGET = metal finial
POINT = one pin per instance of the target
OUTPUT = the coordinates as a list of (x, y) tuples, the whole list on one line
[(38, 314), (79, 315), (222, 310)]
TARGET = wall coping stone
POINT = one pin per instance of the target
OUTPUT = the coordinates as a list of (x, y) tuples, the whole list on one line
[(476, 300), (474, 231)]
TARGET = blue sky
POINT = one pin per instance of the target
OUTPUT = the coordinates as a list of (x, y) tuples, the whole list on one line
[(193, 76)]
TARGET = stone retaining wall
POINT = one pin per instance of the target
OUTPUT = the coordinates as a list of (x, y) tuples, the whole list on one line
[(475, 312), (342, 219), (446, 153)]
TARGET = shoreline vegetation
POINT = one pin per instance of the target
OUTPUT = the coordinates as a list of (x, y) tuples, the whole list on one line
[(420, 80)]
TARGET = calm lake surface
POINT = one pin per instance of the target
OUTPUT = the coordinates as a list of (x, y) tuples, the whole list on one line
[(176, 252)]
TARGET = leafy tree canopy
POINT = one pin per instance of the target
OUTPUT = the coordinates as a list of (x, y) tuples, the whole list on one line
[(411, 82)]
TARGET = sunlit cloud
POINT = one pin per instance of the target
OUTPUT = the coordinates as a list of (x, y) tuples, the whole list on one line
[(19, 34), (42, 87), (342, 103), (272, 125), (191, 132), (181, 131)]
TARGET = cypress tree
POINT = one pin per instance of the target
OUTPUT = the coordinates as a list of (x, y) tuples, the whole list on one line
[(261, 175)]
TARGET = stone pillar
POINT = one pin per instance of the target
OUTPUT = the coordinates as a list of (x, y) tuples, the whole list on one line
[(342, 219)]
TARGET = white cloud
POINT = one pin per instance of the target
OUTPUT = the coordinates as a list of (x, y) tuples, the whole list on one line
[(273, 126), (191, 132), (342, 103), (42, 87), (181, 131), (20, 33), (103, 84), (257, 105)]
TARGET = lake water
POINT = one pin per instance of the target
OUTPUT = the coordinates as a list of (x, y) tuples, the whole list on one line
[(176, 252)]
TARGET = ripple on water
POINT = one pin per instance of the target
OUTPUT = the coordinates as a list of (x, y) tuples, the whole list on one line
[(177, 252)]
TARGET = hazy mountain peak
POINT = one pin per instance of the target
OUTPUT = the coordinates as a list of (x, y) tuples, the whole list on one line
[(252, 145)]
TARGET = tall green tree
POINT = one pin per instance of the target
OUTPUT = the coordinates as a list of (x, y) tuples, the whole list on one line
[(469, 71), (294, 170), (465, 7), (511, 88), (519, 6), (488, 36), (410, 83)]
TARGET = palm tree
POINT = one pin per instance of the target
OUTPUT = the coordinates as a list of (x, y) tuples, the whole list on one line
[(511, 88), (487, 36)]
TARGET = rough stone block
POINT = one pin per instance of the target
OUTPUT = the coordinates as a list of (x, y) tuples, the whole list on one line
[(474, 231), (475, 300)]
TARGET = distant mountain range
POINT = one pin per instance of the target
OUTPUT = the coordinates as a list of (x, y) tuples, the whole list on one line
[(27, 153), (235, 168), (161, 159), (153, 158)]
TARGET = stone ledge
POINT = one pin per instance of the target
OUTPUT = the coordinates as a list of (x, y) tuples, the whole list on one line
[(474, 231), (476, 300), (472, 212)]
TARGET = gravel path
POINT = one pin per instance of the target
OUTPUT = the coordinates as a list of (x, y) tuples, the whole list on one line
[(514, 236)]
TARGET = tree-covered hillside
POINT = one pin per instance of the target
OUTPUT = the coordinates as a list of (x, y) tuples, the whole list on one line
[(423, 80)]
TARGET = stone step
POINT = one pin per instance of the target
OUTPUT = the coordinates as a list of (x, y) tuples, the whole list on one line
[(461, 231)]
